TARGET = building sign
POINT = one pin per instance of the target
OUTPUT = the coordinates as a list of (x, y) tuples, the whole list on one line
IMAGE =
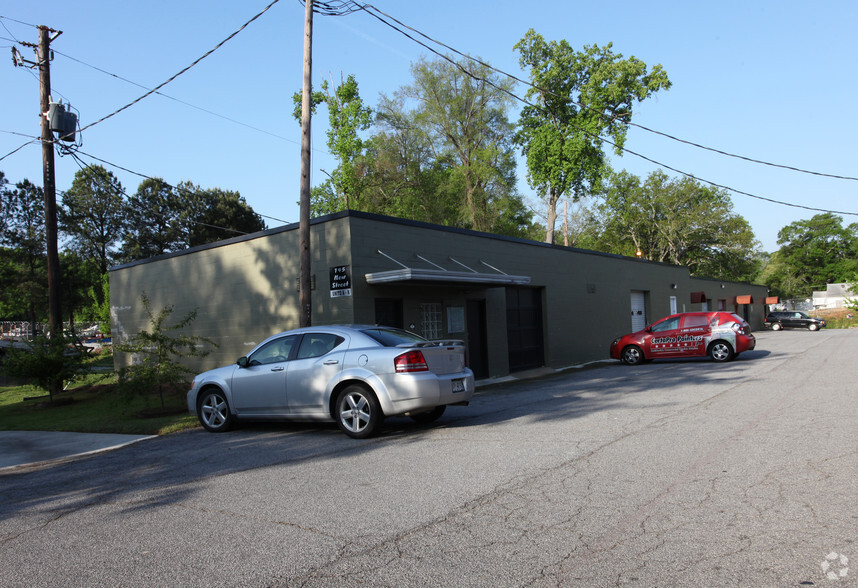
[(341, 281)]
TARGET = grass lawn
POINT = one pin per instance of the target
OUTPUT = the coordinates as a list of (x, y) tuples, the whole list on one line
[(93, 405), (837, 318)]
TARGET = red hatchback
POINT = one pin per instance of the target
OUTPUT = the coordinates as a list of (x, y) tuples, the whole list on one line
[(718, 334)]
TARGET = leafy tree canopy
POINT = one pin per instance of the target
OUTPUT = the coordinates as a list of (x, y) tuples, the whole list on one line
[(214, 214), (814, 253), (576, 98), (93, 214), (154, 221), (678, 221), (23, 264), (347, 116), (442, 150), (164, 219)]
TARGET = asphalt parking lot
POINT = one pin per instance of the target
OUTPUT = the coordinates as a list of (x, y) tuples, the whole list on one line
[(686, 473)]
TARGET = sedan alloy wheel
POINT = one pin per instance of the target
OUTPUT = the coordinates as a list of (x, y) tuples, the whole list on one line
[(213, 411), (357, 412)]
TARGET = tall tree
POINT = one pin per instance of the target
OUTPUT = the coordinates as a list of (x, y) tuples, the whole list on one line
[(577, 96), (154, 221), (463, 110), (814, 253), (24, 260), (81, 279), (678, 221), (406, 179), (347, 117), (93, 214), (213, 214), (4, 190)]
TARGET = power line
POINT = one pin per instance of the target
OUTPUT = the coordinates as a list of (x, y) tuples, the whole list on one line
[(597, 137), (19, 148), (83, 165), (527, 83), (16, 21), (347, 7), (126, 80), (142, 175), (173, 77), (334, 7)]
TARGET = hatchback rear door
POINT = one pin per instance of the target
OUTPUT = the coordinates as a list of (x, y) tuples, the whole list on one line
[(694, 333)]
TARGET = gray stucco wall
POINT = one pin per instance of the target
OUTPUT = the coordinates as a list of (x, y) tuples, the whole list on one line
[(246, 289), (243, 290), (586, 294)]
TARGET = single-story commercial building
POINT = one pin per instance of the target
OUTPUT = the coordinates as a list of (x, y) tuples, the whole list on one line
[(518, 304)]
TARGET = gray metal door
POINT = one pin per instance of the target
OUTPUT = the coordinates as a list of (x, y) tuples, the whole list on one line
[(638, 301), (524, 328)]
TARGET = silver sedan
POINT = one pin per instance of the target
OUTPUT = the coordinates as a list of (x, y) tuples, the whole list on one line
[(354, 375)]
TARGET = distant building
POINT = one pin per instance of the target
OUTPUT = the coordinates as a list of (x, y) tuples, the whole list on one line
[(518, 304), (834, 296)]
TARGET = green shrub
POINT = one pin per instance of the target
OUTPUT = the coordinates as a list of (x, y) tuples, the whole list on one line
[(48, 362), (156, 352)]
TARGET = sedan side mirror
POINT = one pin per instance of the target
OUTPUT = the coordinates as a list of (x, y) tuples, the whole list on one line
[(242, 362)]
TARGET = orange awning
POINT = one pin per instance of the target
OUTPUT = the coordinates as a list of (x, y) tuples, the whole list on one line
[(698, 297), (747, 299), (772, 300)]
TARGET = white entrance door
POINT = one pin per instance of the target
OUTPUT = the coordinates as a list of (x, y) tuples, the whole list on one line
[(638, 311)]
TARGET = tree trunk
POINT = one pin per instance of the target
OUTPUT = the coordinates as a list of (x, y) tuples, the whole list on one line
[(566, 223), (552, 215)]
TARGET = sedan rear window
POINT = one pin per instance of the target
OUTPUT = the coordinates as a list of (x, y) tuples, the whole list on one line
[(317, 344), (390, 337)]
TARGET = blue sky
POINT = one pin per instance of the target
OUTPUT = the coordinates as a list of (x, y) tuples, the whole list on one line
[(774, 81)]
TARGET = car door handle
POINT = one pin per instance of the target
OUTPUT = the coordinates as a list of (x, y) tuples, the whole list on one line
[(279, 368), (332, 362)]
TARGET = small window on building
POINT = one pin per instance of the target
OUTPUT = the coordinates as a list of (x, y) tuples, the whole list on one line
[(430, 320)]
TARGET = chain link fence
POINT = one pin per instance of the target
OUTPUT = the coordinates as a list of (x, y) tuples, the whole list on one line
[(25, 330)]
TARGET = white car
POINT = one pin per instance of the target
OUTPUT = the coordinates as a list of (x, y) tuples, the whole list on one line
[(354, 375)]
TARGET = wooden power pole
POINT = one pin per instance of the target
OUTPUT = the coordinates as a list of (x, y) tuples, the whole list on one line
[(50, 191), (304, 219)]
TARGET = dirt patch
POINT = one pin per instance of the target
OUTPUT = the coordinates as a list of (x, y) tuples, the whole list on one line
[(832, 313)]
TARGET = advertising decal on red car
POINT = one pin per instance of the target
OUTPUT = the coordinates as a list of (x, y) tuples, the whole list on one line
[(721, 335)]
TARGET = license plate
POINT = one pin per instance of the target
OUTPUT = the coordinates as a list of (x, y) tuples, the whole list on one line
[(458, 385)]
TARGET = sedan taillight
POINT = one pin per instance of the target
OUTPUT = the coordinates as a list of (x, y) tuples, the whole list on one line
[(410, 361)]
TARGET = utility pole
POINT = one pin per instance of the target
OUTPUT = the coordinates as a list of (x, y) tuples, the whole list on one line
[(50, 191), (304, 301)]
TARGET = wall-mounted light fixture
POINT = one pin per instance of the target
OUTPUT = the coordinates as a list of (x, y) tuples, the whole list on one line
[(673, 286)]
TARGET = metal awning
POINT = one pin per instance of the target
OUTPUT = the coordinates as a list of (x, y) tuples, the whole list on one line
[(772, 300), (745, 299), (443, 275)]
